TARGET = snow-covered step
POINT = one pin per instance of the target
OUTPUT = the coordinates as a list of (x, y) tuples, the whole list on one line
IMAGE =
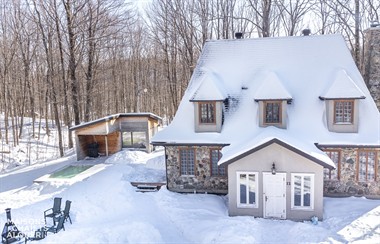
[(147, 186)]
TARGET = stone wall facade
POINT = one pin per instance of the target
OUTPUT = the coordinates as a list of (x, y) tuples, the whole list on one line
[(202, 181), (347, 183), (371, 62)]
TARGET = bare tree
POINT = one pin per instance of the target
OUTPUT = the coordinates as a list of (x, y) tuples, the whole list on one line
[(292, 14), (46, 34)]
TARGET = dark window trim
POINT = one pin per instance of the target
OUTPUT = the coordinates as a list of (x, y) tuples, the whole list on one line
[(221, 166), (352, 101), (279, 102), (358, 164), (200, 113), (328, 152)]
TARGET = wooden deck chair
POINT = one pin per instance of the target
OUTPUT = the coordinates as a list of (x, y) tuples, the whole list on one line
[(54, 211), (66, 211)]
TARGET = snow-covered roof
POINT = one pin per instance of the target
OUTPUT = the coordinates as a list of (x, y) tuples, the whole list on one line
[(302, 68), (115, 116), (271, 88), (343, 87), (279, 136), (211, 89)]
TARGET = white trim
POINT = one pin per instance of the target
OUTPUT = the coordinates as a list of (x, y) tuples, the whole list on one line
[(256, 185), (303, 175)]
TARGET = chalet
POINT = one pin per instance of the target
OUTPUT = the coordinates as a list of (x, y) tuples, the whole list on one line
[(276, 123), (110, 134)]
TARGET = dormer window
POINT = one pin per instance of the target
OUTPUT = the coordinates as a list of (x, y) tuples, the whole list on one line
[(273, 99), (206, 112), (342, 99), (272, 112), (208, 104), (343, 111)]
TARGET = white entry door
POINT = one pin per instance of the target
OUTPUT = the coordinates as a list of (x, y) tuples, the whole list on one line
[(274, 190)]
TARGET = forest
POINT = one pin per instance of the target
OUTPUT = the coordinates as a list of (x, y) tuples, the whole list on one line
[(72, 61)]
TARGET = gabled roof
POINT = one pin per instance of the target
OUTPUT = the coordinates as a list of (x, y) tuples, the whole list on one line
[(343, 87), (211, 89), (271, 88), (305, 66), (315, 155)]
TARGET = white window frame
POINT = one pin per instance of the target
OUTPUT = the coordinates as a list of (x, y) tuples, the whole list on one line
[(247, 205), (303, 175)]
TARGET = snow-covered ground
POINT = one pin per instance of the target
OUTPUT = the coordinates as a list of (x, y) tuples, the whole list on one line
[(107, 209), (31, 148)]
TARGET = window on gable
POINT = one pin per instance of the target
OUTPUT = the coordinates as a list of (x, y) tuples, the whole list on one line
[(333, 174), (272, 112), (187, 160), (216, 170), (302, 191), (367, 165), (247, 189), (207, 112), (343, 111)]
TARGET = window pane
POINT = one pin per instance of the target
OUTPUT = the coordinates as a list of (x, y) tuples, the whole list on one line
[(343, 111), (276, 113), (187, 161), (207, 112), (306, 191), (297, 190), (127, 139), (347, 111), (371, 166), (216, 170), (243, 188), (272, 112), (334, 155), (252, 190), (214, 162), (362, 166), (222, 170)]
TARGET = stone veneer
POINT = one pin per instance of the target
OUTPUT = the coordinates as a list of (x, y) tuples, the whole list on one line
[(348, 183), (202, 181), (371, 62)]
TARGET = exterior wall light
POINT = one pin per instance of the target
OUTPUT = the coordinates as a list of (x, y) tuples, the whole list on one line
[(273, 169)]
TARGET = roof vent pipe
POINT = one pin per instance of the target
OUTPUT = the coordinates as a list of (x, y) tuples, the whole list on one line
[(239, 35), (306, 32)]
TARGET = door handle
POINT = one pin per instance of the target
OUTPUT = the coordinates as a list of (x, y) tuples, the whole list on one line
[(266, 198)]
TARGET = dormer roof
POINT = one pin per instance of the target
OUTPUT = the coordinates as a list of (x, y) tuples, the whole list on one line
[(210, 89), (342, 87), (272, 88)]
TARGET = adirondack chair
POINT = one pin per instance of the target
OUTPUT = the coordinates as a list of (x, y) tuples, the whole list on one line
[(54, 211), (66, 211), (56, 227)]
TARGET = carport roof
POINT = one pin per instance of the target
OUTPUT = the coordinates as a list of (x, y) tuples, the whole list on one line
[(115, 116)]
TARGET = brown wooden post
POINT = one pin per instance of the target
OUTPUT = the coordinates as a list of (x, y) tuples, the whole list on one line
[(106, 139)]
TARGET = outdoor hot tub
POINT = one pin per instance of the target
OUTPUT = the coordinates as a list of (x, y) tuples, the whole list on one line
[(72, 173)]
